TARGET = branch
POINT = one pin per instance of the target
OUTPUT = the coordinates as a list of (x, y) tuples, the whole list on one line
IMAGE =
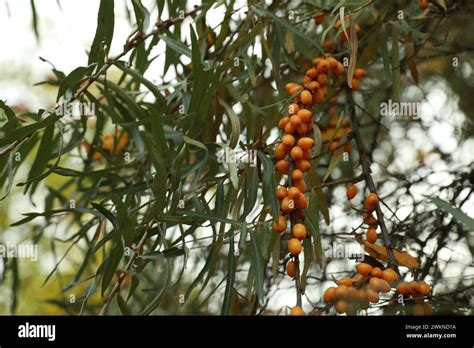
[(365, 163)]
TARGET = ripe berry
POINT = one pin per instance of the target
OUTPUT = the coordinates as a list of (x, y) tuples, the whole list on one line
[(294, 193), (295, 120), (371, 235), (319, 17), (281, 225), (300, 185), (359, 73), (364, 268), (297, 175), (282, 123), (389, 275), (403, 288), (299, 231), (330, 295), (305, 115), (302, 165), (369, 219), (376, 272), (282, 166), (280, 151), (306, 143), (371, 201), (291, 269), (294, 246), (297, 311), (423, 4), (306, 97), (334, 145), (287, 205), (345, 281), (372, 296), (423, 288), (341, 292), (281, 193), (301, 202), (355, 84), (296, 153), (288, 140), (341, 307), (351, 191)]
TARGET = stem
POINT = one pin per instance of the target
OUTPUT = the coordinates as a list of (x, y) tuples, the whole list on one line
[(365, 163)]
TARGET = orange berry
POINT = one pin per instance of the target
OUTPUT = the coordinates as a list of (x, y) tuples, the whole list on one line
[(389, 275), (369, 219), (332, 63), (287, 205), (312, 85), (312, 72), (299, 231), (301, 202), (357, 277), (307, 155), (339, 69), (282, 166), (403, 288), (323, 79), (293, 108), (306, 80), (288, 140), (341, 307), (423, 288), (345, 281), (318, 96), (371, 201), (291, 269), (295, 90), (359, 73), (305, 115), (334, 145), (294, 193), (303, 165), (351, 191), (295, 120), (297, 311), (306, 143), (297, 175), (302, 129), (319, 17), (372, 296), (280, 151), (281, 225), (282, 123), (342, 291), (289, 86), (323, 66), (289, 128), (329, 295), (296, 153), (371, 235), (306, 97), (316, 61), (376, 272), (355, 84), (348, 148), (423, 4), (364, 268), (294, 246), (333, 99), (281, 193), (301, 185)]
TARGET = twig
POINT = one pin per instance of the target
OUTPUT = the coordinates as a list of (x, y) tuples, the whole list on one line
[(365, 163)]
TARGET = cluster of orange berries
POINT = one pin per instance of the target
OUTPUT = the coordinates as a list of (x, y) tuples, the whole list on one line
[(293, 154), (417, 292), (370, 204), (363, 288)]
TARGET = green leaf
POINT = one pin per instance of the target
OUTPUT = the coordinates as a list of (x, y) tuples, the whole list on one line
[(104, 32), (457, 213), (234, 122), (269, 185), (257, 263), (107, 214), (231, 268), (34, 16), (42, 156), (142, 16), (276, 256), (335, 159), (123, 305), (177, 46), (72, 80), (26, 131), (112, 262)]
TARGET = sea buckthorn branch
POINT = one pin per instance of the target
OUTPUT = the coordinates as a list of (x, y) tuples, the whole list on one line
[(365, 164)]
